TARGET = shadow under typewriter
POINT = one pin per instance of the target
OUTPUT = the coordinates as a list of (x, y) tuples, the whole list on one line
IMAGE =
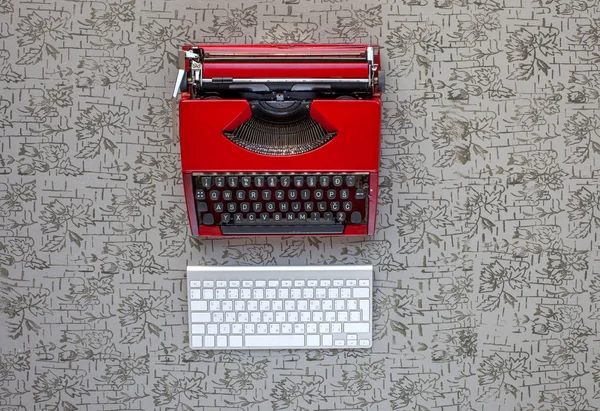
[(280, 128)]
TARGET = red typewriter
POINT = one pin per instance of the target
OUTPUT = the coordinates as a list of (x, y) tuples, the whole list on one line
[(280, 139)]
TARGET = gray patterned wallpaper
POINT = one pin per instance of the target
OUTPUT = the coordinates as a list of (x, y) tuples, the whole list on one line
[(486, 252)]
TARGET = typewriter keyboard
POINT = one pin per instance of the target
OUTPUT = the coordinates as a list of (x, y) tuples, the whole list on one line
[(255, 204)]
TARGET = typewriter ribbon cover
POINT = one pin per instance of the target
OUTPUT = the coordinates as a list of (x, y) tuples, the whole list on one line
[(280, 139)]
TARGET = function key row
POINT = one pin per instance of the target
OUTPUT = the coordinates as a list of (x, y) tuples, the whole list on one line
[(277, 283), (233, 181)]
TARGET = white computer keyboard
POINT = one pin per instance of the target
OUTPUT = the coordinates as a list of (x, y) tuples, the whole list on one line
[(280, 307)]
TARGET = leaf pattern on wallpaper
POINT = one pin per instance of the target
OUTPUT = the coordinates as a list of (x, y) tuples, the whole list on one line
[(486, 280)]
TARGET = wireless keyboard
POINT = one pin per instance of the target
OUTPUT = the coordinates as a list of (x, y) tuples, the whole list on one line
[(280, 307)]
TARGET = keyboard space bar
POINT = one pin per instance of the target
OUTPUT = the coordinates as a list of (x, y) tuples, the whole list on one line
[(274, 341), (283, 229)]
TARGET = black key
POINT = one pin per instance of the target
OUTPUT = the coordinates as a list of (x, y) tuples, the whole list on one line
[(238, 218), (347, 205), (266, 195), (279, 195), (286, 181), (309, 206), (207, 182), (337, 181), (227, 195), (251, 217), (272, 181), (270, 207), (208, 219), (232, 181), (214, 195), (200, 194), (318, 194), (355, 217), (246, 181), (344, 194), (240, 195), (350, 181), (311, 181), (331, 194), (315, 216), (259, 181), (340, 217), (257, 207), (305, 194), (360, 194), (245, 207), (290, 216), (322, 206), (296, 206), (225, 218), (324, 181), (232, 207), (219, 207), (334, 206), (302, 217), (284, 207), (328, 216), (282, 229), (264, 217), (292, 195), (253, 195), (276, 217), (220, 181), (201, 206), (298, 181)]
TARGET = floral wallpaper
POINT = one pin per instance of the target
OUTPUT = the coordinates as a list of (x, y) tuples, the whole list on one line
[(486, 253)]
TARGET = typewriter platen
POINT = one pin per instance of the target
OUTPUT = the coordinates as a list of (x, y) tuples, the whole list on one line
[(280, 139)]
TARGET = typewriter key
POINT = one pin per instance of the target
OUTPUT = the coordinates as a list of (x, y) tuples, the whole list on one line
[(309, 206), (350, 181), (360, 194), (259, 181), (257, 207), (296, 206), (311, 181), (200, 195), (322, 206), (314, 216), (264, 217), (238, 218), (324, 181), (347, 205), (335, 206), (219, 207), (355, 217), (240, 195), (201, 206), (206, 182), (225, 218), (341, 217), (253, 195), (286, 181), (298, 181), (318, 194), (231, 207), (283, 207), (305, 194), (344, 194), (276, 216), (331, 194), (246, 182), (337, 181), (292, 195), (290, 216), (270, 207), (328, 216), (208, 219), (220, 181), (227, 195), (214, 195), (279, 195), (232, 181), (251, 218), (272, 181), (302, 216), (244, 207), (266, 195)]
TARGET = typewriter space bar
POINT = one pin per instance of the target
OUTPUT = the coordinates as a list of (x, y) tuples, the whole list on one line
[(282, 229)]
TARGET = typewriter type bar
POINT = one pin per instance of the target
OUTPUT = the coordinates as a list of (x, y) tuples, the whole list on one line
[(280, 139)]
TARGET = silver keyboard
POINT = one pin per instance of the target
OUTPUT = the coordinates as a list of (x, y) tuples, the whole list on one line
[(282, 307)]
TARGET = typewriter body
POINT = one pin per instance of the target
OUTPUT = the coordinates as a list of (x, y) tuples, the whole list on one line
[(280, 139)]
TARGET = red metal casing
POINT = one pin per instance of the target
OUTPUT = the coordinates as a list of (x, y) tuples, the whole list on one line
[(204, 148)]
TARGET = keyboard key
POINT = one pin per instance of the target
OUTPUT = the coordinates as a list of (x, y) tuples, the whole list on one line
[(355, 316), (284, 207), (220, 181), (253, 195), (338, 283), (198, 305), (363, 343), (238, 218), (336, 328), (219, 207), (315, 217), (351, 283), (331, 194), (240, 195), (264, 217), (287, 328), (334, 206), (327, 340), (198, 328), (350, 181), (207, 294), (207, 182), (318, 194), (214, 195), (244, 207), (340, 217), (224, 328), (257, 207), (312, 340), (305, 194), (339, 343), (209, 341), (196, 284), (277, 217), (243, 317), (201, 317), (272, 181), (200, 194), (309, 206), (322, 206), (249, 329), (292, 195), (361, 293), (352, 304), (286, 181), (302, 217), (299, 328), (195, 294), (298, 181), (274, 328), (351, 343), (274, 341), (251, 217), (235, 341), (365, 308), (345, 194), (324, 181), (279, 195), (296, 206), (232, 181), (221, 341), (259, 181), (329, 315), (201, 206), (355, 217), (311, 181), (356, 328), (360, 194), (337, 181), (246, 181), (290, 217), (266, 195), (328, 216), (363, 283), (324, 328)]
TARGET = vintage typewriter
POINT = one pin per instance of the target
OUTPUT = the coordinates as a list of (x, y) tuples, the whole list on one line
[(280, 139)]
